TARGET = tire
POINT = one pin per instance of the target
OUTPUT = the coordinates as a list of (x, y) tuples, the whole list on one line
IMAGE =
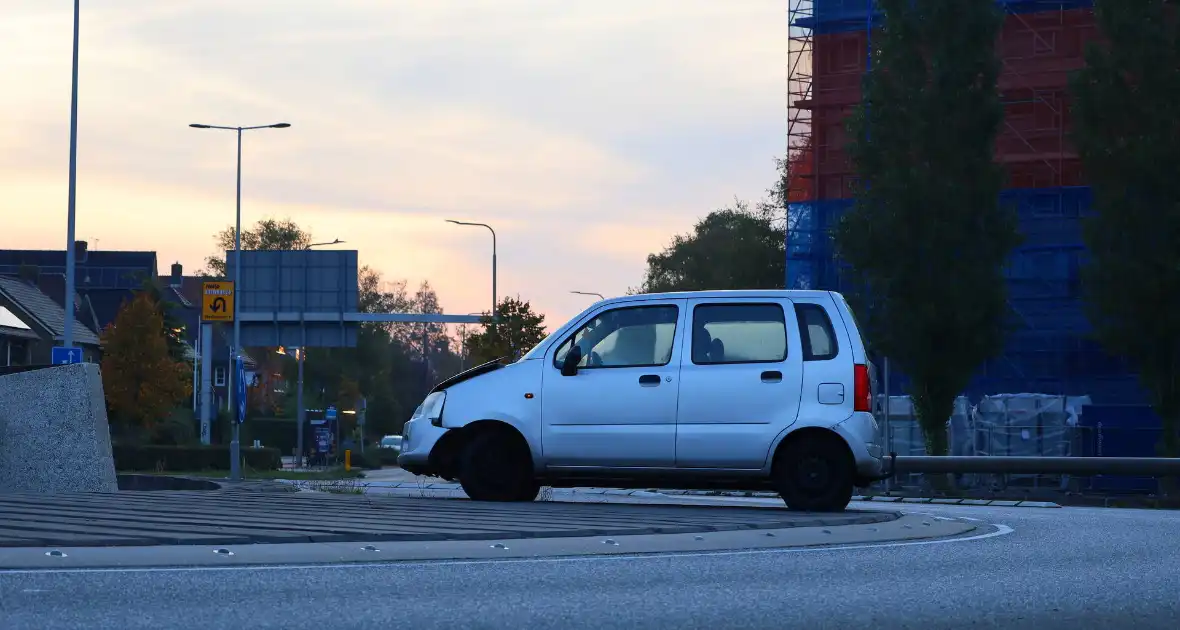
[(497, 466), (815, 474)]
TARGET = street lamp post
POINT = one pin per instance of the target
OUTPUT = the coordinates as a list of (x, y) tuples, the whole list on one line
[(495, 301), (68, 327), (600, 296), (234, 446)]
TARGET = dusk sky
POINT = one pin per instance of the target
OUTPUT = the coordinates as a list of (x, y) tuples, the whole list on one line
[(587, 133)]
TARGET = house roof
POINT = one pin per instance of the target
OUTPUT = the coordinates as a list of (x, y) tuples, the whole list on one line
[(41, 308), (95, 269), (13, 326)]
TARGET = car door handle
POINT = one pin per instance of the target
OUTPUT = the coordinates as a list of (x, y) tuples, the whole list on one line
[(649, 379), (772, 376)]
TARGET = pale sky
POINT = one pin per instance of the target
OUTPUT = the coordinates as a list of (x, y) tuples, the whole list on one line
[(586, 132)]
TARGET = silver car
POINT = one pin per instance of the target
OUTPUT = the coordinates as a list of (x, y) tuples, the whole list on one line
[(713, 389)]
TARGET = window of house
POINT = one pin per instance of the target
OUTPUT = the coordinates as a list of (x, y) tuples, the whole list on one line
[(635, 336), (219, 377), (738, 333), (818, 336)]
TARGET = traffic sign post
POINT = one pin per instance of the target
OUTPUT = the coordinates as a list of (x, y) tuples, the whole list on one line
[(235, 451), (330, 417), (65, 356), (217, 301)]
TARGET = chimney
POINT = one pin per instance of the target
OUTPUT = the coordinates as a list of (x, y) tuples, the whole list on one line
[(177, 275), (80, 250)]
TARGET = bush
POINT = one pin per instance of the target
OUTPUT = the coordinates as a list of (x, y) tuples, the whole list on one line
[(280, 433), (129, 457), (179, 428), (370, 459)]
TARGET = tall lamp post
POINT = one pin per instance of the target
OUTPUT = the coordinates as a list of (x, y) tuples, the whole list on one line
[(600, 296), (71, 255), (495, 301), (235, 465)]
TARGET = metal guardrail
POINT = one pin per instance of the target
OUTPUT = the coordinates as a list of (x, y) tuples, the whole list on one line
[(1002, 465)]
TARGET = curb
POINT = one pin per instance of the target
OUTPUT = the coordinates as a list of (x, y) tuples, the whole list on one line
[(377, 553), (655, 493), (977, 502)]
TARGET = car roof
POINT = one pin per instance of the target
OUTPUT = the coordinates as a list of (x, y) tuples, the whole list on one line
[(758, 293)]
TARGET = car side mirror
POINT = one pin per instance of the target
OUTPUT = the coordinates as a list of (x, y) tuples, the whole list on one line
[(569, 367)]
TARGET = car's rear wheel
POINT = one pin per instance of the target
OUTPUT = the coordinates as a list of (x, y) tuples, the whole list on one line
[(815, 474), (496, 465)]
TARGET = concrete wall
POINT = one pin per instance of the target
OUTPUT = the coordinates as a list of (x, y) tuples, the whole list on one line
[(54, 435)]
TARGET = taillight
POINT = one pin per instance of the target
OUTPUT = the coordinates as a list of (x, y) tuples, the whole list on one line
[(863, 394)]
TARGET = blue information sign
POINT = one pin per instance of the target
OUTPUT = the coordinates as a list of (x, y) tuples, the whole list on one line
[(330, 414), (65, 356)]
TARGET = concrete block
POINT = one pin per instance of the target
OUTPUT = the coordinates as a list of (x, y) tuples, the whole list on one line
[(54, 435)]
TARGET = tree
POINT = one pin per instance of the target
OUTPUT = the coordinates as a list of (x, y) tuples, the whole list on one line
[(518, 330), (172, 327), (267, 235), (1127, 125), (731, 248), (141, 381), (927, 238)]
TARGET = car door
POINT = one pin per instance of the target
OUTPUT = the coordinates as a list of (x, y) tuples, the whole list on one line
[(619, 410), (740, 381)]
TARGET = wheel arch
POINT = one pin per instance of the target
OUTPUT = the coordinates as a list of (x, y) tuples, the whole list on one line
[(444, 457), (812, 433)]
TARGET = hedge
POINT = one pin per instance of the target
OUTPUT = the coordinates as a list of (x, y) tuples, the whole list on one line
[(191, 458)]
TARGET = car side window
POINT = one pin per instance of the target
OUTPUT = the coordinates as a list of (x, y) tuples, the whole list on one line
[(818, 335), (738, 333), (636, 336)]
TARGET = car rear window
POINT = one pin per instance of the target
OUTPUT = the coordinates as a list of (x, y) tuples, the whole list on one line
[(738, 333), (818, 335)]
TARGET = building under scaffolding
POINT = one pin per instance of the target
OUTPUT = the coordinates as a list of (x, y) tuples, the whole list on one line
[(1042, 42)]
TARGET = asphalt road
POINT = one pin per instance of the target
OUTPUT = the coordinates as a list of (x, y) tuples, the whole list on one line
[(1058, 568)]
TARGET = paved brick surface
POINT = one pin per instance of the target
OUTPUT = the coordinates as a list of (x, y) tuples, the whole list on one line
[(224, 518)]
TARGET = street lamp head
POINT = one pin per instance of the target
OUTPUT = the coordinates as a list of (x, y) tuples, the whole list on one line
[(281, 125), (199, 126), (454, 221)]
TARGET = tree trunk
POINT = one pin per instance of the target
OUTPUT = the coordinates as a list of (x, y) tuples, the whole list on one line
[(933, 412)]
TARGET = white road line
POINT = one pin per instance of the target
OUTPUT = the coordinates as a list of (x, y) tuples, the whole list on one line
[(1001, 530)]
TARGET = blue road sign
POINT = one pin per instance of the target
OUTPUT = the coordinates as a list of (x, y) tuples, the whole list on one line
[(65, 356), (330, 414), (241, 390)]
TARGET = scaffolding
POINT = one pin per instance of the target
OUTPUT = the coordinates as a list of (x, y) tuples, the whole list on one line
[(1041, 43)]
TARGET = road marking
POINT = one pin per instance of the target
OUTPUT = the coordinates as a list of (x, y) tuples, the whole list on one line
[(1001, 530)]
